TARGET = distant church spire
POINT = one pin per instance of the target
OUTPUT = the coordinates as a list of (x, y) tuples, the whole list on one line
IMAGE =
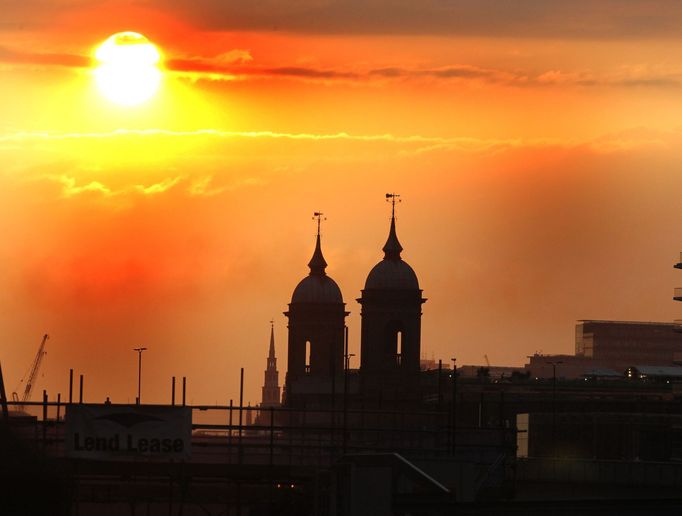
[(317, 263), (271, 354), (271, 388), (392, 247)]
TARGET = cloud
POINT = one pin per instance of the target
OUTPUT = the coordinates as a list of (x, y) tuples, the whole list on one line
[(558, 19), (624, 76), (574, 19), (250, 135), (237, 64), (216, 69), (71, 188), (235, 56), (16, 57), (203, 187), (405, 145), (451, 72), (156, 188)]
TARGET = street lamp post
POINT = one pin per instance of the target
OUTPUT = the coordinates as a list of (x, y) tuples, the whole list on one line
[(554, 364), (453, 438), (139, 371)]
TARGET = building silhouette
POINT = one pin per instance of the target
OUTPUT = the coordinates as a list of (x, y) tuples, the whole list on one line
[(390, 346), (391, 313), (388, 438), (316, 326), (271, 389), (608, 348)]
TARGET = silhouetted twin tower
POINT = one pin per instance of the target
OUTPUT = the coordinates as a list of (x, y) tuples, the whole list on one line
[(391, 325)]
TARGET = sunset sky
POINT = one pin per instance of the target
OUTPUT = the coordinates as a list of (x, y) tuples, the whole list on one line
[(537, 147)]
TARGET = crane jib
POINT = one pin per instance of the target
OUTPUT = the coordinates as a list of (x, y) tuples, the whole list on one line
[(33, 371)]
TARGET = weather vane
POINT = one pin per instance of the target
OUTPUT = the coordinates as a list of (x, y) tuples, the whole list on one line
[(393, 198), (320, 217)]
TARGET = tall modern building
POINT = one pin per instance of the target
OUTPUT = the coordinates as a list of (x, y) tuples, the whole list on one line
[(608, 348), (271, 388), (391, 321), (627, 343), (317, 318)]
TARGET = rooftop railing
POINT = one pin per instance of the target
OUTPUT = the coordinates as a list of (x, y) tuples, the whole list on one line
[(281, 436)]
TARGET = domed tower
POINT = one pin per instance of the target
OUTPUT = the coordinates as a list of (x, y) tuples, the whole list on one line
[(316, 324), (391, 317)]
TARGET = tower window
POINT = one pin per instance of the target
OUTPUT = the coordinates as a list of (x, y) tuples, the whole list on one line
[(399, 347), (307, 356)]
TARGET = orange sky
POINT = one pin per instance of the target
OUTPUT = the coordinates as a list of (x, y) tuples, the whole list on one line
[(536, 150)]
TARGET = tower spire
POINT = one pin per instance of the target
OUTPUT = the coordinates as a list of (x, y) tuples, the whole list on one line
[(271, 353), (317, 263), (271, 389), (392, 247)]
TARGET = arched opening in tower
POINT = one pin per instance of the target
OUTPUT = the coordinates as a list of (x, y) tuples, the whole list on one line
[(399, 347), (394, 344), (308, 350)]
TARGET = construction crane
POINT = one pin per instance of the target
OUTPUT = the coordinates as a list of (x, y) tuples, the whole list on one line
[(487, 362), (32, 373)]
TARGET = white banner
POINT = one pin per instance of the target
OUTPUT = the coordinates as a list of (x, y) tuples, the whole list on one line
[(125, 431)]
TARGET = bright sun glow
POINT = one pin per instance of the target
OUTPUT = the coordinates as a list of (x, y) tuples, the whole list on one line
[(128, 72)]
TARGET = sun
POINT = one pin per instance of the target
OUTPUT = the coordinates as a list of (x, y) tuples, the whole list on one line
[(128, 71)]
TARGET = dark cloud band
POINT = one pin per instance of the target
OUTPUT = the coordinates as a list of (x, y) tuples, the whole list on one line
[(574, 19)]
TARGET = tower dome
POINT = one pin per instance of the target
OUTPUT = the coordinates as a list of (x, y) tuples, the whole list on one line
[(317, 287), (392, 273)]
